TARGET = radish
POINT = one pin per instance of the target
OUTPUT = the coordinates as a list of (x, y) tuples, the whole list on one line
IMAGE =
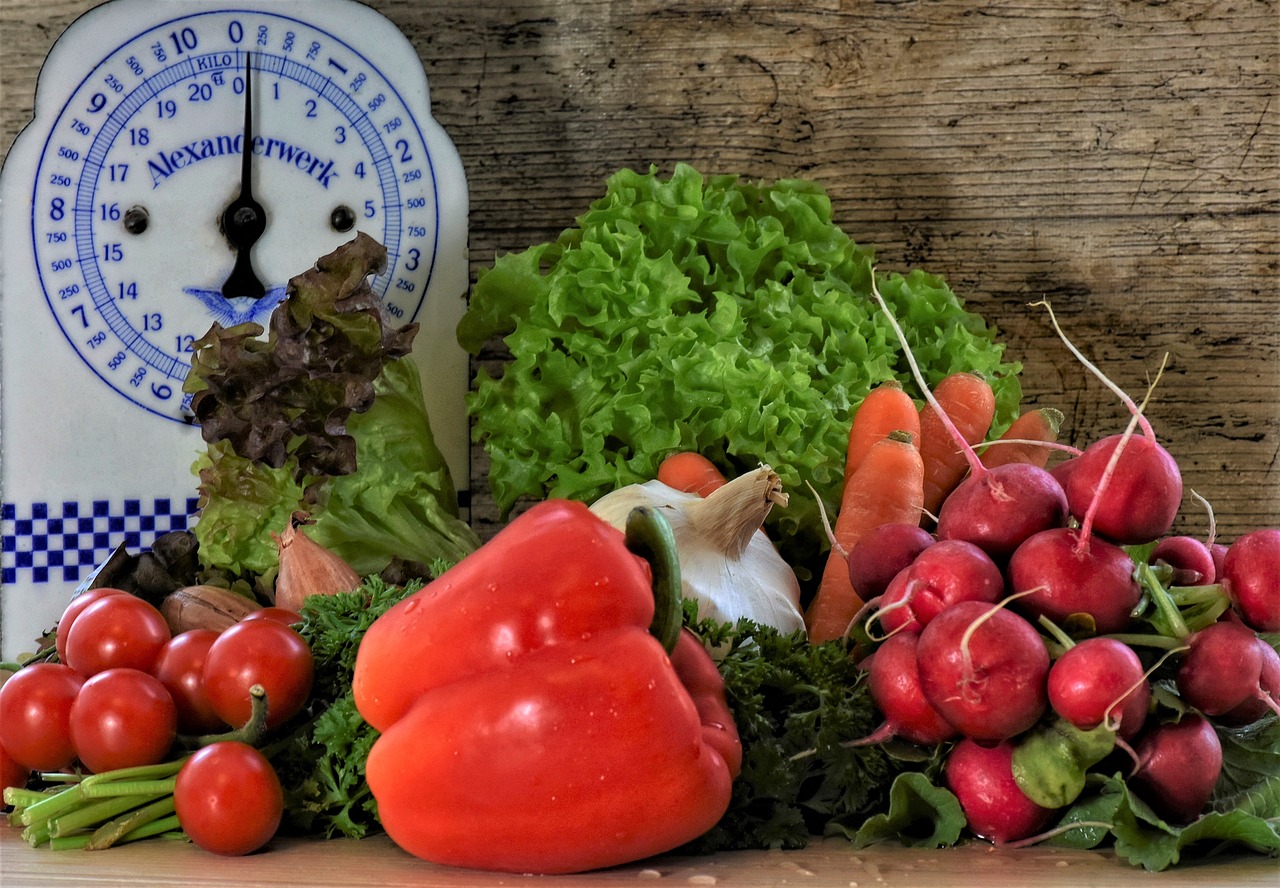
[(982, 779), (983, 668), (882, 553), (1145, 484), (995, 508), (946, 572), (998, 508), (1190, 560), (1219, 553), (1065, 572), (1100, 679), (1251, 576), (1144, 489), (894, 684), (1179, 765), (1221, 669), (1267, 698)]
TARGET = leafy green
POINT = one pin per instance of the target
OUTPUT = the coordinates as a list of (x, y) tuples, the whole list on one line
[(322, 764), (919, 814), (795, 704), (705, 314), (288, 419)]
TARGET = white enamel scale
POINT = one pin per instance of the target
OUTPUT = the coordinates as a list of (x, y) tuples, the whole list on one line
[(132, 217)]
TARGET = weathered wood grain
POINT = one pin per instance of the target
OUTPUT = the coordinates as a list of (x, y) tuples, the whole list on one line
[(1119, 159)]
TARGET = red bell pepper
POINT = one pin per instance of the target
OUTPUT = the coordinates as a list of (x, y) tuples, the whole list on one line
[(529, 719)]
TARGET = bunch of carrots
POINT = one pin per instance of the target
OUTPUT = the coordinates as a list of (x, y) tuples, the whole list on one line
[(901, 464)]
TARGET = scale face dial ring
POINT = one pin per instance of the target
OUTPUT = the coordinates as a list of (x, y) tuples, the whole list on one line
[(145, 155)]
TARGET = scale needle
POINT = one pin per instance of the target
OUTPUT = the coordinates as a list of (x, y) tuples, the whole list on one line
[(244, 219)]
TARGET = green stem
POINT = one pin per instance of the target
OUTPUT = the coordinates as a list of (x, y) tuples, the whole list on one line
[(1143, 639), (1065, 640), (52, 806), (92, 814), (251, 732), (649, 535), (129, 788), (1168, 610), (137, 772), (113, 830)]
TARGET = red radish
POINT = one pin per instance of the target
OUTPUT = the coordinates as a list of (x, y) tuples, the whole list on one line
[(1066, 573), (1143, 489), (1144, 480), (1190, 559), (1062, 471), (983, 668), (946, 572), (1219, 553), (1221, 669), (1000, 508), (995, 807), (1179, 764), (1251, 576), (1100, 679), (881, 553), (894, 684), (1267, 698), (996, 508)]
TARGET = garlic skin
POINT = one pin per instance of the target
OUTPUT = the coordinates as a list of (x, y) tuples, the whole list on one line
[(727, 563), (308, 568)]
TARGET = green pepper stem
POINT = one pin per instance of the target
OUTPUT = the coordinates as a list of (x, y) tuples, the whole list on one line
[(649, 535)]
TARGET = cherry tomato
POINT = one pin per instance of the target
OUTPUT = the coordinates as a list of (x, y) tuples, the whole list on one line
[(117, 631), (35, 715), (73, 610), (228, 798), (122, 718), (179, 667), (261, 652), (12, 772), (279, 614)]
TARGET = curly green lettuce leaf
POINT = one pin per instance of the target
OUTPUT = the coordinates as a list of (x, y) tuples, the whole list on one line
[(707, 314)]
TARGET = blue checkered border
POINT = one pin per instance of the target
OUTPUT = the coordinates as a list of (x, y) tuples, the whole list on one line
[(63, 542)]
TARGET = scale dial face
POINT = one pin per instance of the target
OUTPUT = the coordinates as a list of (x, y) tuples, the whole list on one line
[(146, 155)]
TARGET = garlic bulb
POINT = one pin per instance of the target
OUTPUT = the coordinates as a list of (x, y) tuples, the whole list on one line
[(727, 563)]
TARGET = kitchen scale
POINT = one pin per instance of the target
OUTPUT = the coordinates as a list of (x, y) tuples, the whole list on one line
[(185, 160)]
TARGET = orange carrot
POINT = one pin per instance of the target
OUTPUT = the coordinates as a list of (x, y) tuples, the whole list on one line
[(690, 472), (886, 408), (887, 487), (967, 399), (1033, 426)]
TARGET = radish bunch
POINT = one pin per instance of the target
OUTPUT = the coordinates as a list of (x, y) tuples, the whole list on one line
[(1052, 628)]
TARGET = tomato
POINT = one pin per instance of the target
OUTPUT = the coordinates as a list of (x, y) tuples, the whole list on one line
[(261, 652), (35, 715), (73, 610), (228, 798), (117, 631), (121, 718), (279, 614), (180, 667), (12, 772)]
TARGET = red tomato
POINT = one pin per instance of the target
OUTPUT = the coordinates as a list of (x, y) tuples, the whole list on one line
[(117, 631), (123, 718), (35, 715), (228, 798), (262, 652), (73, 610), (12, 772), (179, 668), (279, 614)]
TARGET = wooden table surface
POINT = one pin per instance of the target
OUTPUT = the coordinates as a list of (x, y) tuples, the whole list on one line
[(1119, 158), (347, 863), (1122, 159)]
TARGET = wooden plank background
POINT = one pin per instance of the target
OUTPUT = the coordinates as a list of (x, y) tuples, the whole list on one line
[(1120, 158)]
